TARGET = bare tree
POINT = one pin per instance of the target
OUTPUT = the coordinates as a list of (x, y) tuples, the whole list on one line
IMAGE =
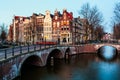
[(92, 14), (116, 21), (3, 30), (117, 12), (99, 32), (116, 31)]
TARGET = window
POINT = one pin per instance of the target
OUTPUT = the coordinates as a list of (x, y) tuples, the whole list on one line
[(68, 39), (67, 28), (67, 22), (55, 17), (58, 24), (61, 22), (64, 16), (64, 22), (64, 28), (54, 24)]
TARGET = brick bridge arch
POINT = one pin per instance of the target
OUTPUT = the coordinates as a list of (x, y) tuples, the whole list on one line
[(13, 66), (40, 58), (117, 46)]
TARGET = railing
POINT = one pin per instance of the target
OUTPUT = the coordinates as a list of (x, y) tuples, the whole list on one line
[(19, 50)]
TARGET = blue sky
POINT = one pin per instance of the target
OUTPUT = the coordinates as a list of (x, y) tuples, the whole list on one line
[(8, 8)]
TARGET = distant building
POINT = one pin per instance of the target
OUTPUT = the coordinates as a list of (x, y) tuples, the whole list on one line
[(108, 36), (78, 31), (87, 29), (56, 25), (65, 29), (37, 27), (26, 29), (47, 29), (61, 28), (10, 33), (18, 29)]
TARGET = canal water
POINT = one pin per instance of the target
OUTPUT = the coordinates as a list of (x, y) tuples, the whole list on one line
[(78, 67)]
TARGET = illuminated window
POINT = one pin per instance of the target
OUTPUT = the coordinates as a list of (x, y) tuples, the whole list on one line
[(58, 24), (64, 16), (64, 22), (61, 22), (67, 22), (54, 24), (55, 17)]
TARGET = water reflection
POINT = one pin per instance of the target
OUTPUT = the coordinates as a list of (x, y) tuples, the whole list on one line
[(82, 67), (108, 71)]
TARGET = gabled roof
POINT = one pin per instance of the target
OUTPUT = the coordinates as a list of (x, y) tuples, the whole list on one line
[(51, 15), (35, 14), (18, 17), (70, 15), (84, 20), (41, 14)]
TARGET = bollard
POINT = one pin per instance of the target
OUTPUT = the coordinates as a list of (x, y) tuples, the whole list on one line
[(52, 61)]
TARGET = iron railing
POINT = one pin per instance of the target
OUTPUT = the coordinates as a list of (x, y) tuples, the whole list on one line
[(17, 50)]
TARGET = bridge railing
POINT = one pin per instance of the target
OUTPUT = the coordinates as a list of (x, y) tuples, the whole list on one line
[(19, 50)]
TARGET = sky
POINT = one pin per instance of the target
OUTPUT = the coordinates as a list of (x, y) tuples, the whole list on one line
[(9, 8)]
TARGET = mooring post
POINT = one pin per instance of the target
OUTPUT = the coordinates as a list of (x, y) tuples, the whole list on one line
[(52, 61), (67, 55)]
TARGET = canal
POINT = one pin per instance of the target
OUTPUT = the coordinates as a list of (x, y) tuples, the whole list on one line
[(77, 67)]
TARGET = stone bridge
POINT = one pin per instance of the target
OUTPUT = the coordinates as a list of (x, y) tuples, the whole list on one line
[(11, 67), (117, 46)]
